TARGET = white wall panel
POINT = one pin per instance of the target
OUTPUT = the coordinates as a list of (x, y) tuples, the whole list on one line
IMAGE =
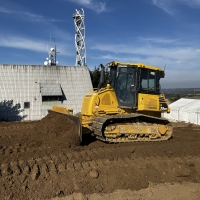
[(20, 83)]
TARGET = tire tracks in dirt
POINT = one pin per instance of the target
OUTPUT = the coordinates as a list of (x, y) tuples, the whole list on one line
[(40, 161)]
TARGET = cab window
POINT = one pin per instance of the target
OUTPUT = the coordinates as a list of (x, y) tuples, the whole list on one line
[(148, 79), (113, 72)]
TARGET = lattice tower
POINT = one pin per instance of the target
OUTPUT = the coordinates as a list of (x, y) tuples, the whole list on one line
[(80, 37)]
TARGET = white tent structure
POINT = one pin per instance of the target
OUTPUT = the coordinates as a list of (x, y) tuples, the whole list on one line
[(185, 110)]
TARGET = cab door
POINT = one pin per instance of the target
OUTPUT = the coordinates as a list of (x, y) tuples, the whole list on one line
[(126, 86)]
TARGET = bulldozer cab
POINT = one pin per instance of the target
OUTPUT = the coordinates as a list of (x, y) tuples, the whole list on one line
[(128, 80)]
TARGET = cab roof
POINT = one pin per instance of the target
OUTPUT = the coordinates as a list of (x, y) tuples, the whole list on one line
[(139, 65)]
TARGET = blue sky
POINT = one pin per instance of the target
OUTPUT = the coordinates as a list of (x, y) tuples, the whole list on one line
[(155, 32)]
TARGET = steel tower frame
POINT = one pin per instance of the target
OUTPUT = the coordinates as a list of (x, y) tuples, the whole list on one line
[(80, 37)]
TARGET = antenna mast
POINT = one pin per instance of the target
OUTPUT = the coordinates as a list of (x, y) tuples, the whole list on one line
[(80, 37), (55, 53), (51, 59)]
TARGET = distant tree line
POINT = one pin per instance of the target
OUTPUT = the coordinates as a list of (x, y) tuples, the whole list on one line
[(95, 75)]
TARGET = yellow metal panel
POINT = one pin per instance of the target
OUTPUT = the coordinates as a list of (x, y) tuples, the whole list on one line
[(88, 104), (148, 102), (106, 99), (85, 104), (100, 103)]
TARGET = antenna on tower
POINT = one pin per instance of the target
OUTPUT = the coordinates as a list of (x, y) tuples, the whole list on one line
[(80, 37), (51, 59)]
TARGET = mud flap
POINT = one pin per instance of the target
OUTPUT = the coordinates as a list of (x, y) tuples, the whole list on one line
[(75, 119)]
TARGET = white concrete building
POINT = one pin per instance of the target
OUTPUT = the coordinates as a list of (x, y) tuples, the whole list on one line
[(27, 91)]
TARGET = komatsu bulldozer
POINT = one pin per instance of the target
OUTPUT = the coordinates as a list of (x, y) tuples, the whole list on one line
[(127, 109)]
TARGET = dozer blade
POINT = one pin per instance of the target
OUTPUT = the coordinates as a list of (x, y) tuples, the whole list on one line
[(75, 119)]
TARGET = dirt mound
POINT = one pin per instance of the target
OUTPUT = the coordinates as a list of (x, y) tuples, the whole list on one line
[(59, 126), (54, 133)]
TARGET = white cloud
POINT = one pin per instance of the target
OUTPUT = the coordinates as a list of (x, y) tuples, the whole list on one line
[(164, 5), (171, 53), (34, 45), (158, 40), (22, 43), (180, 59), (83, 2), (4, 10), (191, 3), (170, 6), (111, 57), (91, 4), (178, 73), (28, 15)]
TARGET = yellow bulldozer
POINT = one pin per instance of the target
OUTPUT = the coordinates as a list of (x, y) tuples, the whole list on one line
[(127, 109)]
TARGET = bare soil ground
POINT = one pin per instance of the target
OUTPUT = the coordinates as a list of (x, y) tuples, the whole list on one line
[(42, 160)]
